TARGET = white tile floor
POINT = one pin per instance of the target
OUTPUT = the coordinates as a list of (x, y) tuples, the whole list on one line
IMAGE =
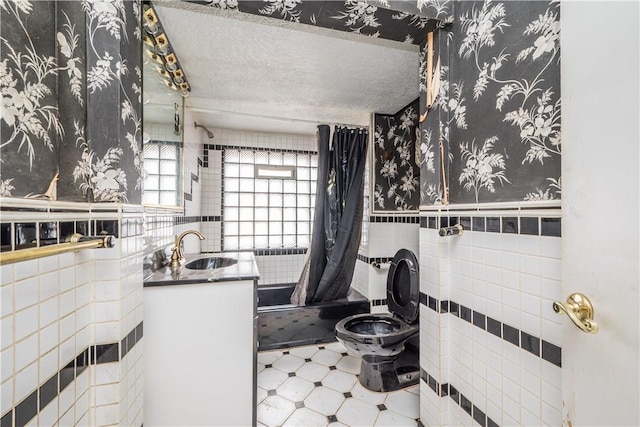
[(318, 386)]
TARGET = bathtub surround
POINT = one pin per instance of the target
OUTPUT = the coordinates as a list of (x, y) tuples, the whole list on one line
[(276, 266), (72, 323)]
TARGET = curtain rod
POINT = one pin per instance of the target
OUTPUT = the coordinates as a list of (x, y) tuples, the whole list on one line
[(282, 119)]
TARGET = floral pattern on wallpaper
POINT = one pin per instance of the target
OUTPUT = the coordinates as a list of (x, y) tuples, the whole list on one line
[(30, 123), (396, 174), (435, 9), (499, 106), (98, 172), (350, 15), (50, 67)]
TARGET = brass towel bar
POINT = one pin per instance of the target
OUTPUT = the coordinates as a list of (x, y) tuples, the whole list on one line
[(76, 243)]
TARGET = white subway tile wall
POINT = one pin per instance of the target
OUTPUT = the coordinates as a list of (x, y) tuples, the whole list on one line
[(275, 269), (381, 240), (53, 311), (512, 279)]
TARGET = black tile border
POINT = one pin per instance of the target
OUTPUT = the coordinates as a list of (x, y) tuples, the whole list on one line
[(444, 390), (394, 219), (220, 147), (51, 232), (95, 354), (291, 251), (507, 224), (179, 220), (534, 345), (378, 260)]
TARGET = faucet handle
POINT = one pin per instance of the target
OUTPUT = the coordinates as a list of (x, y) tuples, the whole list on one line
[(176, 260)]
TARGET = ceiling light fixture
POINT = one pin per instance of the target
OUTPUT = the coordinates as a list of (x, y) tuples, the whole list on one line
[(158, 48)]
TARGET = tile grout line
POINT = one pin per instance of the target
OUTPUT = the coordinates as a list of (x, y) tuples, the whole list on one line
[(444, 390), (94, 354), (530, 343)]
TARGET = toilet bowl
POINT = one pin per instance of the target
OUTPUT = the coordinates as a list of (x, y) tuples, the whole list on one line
[(388, 343)]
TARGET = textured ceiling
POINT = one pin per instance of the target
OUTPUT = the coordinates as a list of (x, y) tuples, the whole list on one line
[(257, 73)]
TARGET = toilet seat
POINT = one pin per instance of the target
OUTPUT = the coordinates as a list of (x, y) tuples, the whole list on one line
[(382, 340), (403, 286)]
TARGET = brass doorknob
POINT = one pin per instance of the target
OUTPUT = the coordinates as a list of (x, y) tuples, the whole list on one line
[(580, 311)]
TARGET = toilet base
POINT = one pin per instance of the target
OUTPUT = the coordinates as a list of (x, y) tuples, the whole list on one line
[(384, 374)]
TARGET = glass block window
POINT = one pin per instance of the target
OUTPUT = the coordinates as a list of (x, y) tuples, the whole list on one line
[(161, 173), (268, 199)]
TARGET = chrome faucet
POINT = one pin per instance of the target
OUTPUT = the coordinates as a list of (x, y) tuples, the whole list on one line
[(177, 254)]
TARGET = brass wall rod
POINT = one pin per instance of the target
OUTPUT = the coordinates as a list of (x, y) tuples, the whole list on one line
[(75, 245)]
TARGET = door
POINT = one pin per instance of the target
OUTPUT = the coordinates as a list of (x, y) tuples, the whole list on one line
[(600, 120)]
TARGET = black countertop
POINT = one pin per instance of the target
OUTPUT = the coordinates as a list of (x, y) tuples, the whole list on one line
[(244, 269)]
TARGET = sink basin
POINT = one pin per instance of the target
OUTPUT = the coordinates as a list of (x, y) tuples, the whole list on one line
[(210, 263)]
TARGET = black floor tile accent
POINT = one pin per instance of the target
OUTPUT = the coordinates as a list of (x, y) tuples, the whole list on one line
[(381, 407)]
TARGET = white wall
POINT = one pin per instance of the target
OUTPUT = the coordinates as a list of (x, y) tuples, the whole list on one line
[(512, 279), (57, 308)]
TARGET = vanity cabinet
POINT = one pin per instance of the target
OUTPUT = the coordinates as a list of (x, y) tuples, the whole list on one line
[(200, 354)]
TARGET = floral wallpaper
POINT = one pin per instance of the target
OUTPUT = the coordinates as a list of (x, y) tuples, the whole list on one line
[(395, 167), (403, 21), (70, 77), (495, 124)]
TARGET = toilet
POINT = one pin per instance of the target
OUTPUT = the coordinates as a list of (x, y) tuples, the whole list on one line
[(388, 343)]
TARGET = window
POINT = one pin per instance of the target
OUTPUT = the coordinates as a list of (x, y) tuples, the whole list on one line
[(268, 198), (162, 173)]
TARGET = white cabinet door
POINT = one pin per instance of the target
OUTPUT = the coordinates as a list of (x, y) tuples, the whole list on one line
[(199, 354), (600, 119)]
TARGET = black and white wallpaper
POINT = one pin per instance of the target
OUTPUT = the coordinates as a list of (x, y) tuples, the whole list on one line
[(396, 174), (495, 123), (403, 21), (71, 83)]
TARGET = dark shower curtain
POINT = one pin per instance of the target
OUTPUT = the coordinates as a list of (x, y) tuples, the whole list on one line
[(337, 223)]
